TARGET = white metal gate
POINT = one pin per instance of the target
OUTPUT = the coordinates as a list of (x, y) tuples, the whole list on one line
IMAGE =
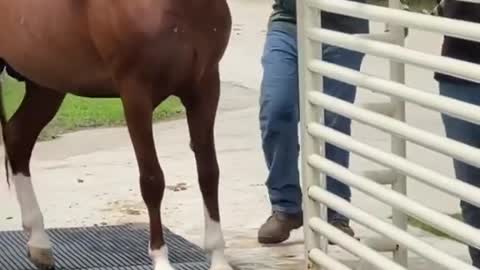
[(390, 118)]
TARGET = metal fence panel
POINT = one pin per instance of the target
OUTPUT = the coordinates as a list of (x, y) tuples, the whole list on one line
[(388, 117)]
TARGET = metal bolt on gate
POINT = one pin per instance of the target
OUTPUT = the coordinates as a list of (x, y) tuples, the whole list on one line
[(388, 117)]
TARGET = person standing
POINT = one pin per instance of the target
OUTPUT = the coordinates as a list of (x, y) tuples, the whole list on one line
[(279, 117), (466, 91)]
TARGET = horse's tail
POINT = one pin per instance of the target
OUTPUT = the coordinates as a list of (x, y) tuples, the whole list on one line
[(3, 123)]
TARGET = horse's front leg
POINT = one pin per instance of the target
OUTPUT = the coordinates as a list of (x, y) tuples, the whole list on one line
[(138, 108), (38, 107), (201, 108)]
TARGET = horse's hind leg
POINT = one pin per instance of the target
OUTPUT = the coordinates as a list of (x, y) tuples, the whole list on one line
[(201, 107), (138, 107), (39, 106)]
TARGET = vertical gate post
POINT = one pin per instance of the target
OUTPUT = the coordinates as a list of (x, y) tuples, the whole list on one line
[(308, 18), (398, 145)]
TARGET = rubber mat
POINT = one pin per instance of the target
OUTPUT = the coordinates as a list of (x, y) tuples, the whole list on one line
[(123, 247)]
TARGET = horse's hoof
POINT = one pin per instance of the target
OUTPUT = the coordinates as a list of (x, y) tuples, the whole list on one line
[(41, 258), (219, 261), (221, 267), (163, 267)]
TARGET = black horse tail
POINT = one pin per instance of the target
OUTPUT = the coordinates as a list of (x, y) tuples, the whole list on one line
[(3, 123)]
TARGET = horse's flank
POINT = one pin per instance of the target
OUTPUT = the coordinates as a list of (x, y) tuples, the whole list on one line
[(84, 46)]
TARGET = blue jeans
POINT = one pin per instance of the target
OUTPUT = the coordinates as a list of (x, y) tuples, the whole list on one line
[(467, 133), (279, 117)]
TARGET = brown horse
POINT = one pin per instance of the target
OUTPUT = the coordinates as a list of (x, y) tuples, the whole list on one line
[(140, 51)]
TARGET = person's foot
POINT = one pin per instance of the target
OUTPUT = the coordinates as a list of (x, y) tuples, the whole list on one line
[(278, 226), (343, 226)]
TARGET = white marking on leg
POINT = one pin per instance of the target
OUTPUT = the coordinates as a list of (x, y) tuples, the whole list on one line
[(160, 259), (32, 217), (215, 243)]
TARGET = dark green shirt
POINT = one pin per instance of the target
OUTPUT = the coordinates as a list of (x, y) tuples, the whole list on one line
[(284, 16)]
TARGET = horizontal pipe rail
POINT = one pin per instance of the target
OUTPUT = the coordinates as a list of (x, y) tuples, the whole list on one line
[(384, 177), (352, 245), (325, 261), (450, 66), (443, 145), (449, 225), (384, 37), (421, 248), (450, 27), (385, 108), (446, 184), (453, 107), (382, 244)]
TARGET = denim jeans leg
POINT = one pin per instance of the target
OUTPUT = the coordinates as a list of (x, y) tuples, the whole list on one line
[(346, 92), (467, 133), (279, 121), (470, 213)]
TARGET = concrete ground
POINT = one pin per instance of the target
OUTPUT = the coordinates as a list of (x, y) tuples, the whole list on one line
[(90, 177)]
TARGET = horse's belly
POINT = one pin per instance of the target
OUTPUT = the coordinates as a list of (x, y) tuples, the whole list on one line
[(60, 75)]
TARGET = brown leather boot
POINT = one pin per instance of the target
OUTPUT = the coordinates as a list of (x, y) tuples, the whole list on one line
[(343, 226), (278, 226)]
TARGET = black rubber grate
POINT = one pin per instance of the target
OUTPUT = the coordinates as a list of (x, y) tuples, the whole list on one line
[(123, 247)]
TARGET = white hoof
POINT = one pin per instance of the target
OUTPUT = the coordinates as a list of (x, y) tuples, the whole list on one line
[(219, 262), (41, 258), (163, 266), (160, 259), (221, 267)]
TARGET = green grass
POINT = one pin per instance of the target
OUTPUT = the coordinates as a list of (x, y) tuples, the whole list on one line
[(425, 227), (80, 113), (415, 5), (428, 228)]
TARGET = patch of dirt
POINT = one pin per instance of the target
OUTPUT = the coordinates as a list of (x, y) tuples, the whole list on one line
[(178, 187), (129, 208)]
